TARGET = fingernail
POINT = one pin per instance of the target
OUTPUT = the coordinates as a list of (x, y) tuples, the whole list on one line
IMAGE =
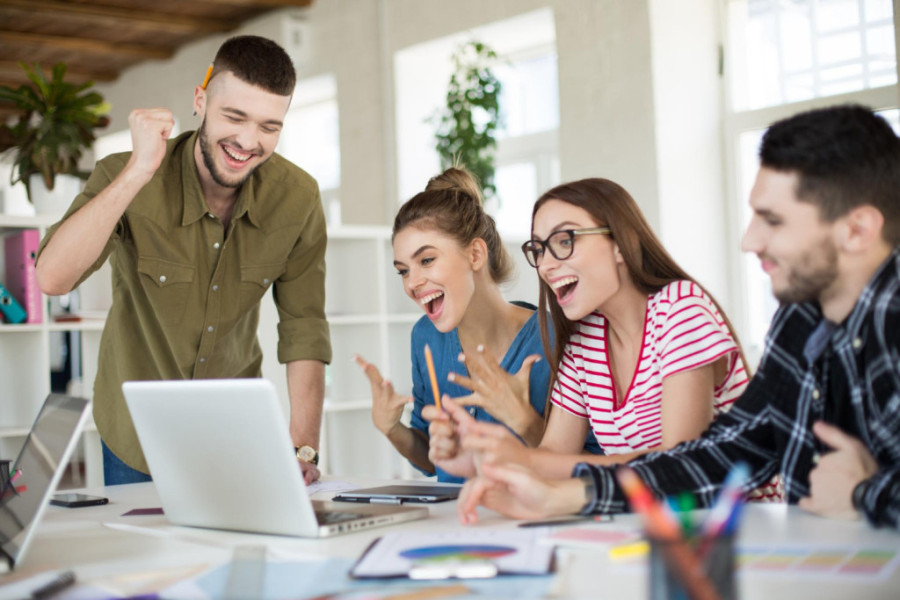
[(461, 357), (451, 377), (480, 348)]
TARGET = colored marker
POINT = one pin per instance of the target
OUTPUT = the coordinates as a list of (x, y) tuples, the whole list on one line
[(664, 529), (721, 515)]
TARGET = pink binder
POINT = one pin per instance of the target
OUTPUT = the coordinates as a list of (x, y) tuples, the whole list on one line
[(20, 250)]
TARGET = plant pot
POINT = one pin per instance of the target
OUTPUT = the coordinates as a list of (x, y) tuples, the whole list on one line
[(54, 202)]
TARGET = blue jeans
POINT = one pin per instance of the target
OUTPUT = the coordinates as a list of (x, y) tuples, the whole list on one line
[(116, 472)]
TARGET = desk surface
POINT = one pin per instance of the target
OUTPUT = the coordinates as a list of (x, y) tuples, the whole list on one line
[(78, 539)]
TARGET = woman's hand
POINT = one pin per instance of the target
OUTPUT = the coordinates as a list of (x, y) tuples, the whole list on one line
[(495, 445), (387, 405), (502, 394), (444, 449)]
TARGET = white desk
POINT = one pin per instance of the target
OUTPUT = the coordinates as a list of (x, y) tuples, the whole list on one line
[(77, 539)]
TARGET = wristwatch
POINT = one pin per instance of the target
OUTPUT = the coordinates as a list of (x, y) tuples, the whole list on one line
[(859, 493), (590, 492), (307, 454)]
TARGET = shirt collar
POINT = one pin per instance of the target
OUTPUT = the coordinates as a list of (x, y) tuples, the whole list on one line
[(888, 270), (195, 206)]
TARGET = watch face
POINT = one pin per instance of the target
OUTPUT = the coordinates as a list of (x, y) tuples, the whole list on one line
[(308, 454)]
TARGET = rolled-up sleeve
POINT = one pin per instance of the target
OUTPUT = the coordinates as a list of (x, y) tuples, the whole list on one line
[(299, 293)]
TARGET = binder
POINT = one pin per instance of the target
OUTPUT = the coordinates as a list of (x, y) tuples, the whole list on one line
[(21, 250), (10, 308)]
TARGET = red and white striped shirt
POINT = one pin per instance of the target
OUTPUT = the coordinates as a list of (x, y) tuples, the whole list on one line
[(683, 330)]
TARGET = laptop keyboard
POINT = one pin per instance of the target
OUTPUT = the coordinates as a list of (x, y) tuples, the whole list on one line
[(332, 517)]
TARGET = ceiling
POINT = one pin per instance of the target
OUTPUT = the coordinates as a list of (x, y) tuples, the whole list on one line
[(98, 39)]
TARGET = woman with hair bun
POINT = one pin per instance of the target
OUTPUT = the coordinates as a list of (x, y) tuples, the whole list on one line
[(450, 258)]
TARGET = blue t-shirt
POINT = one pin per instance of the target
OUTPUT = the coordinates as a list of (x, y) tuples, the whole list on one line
[(445, 348)]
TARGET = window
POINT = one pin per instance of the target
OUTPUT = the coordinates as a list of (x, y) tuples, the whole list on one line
[(311, 138), (527, 157), (786, 56)]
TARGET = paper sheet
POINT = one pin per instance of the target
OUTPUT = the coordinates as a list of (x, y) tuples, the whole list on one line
[(511, 550)]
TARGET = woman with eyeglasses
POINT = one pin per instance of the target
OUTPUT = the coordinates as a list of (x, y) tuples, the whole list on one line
[(450, 258), (643, 355)]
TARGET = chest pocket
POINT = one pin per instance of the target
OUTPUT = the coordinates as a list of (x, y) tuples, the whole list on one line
[(168, 287), (255, 280)]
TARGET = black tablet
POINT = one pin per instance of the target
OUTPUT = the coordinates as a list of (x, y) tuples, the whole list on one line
[(399, 494)]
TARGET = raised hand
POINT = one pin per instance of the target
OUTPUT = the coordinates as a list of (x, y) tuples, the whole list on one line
[(837, 473), (387, 405), (150, 128), (444, 432), (504, 395)]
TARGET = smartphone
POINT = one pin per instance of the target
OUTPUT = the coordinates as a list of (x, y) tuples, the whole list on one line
[(76, 500)]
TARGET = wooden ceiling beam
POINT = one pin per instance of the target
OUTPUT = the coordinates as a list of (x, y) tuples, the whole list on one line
[(122, 16), (63, 44), (272, 3), (11, 71)]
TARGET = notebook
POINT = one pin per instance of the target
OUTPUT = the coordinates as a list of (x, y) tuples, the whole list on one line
[(221, 457), (42, 460)]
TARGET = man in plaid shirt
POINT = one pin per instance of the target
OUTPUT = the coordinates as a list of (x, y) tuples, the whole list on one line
[(824, 408)]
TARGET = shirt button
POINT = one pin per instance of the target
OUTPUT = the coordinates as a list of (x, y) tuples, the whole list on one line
[(266, 281), (162, 278), (216, 245), (216, 288), (210, 328), (202, 360), (210, 215), (857, 343), (815, 394)]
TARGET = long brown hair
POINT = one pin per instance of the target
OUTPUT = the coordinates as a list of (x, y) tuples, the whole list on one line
[(651, 267), (452, 203)]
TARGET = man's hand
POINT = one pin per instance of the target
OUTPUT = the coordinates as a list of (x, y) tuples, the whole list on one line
[(150, 128), (387, 405), (516, 492), (310, 471), (444, 432), (502, 394), (837, 473)]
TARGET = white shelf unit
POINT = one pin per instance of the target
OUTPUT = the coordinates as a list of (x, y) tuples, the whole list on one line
[(25, 362)]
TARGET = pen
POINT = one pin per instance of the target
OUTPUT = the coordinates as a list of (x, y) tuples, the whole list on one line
[(434, 385), (55, 585), (629, 550), (565, 521), (15, 475)]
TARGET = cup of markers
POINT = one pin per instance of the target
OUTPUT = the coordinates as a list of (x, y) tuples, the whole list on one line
[(688, 561)]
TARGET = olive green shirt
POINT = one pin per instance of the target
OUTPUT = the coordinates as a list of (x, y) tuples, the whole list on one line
[(186, 293)]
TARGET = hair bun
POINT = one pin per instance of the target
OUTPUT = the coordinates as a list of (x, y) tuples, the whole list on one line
[(459, 179)]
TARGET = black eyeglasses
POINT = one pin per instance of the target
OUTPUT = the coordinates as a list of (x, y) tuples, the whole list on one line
[(561, 244)]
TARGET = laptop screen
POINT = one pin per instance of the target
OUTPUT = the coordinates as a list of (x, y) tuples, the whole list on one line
[(42, 460)]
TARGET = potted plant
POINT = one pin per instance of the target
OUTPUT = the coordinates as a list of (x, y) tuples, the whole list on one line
[(55, 127), (467, 125)]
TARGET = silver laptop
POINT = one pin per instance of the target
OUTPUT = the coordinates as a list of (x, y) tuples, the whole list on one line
[(42, 460), (221, 457)]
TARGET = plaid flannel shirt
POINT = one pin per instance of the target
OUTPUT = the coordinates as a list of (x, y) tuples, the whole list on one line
[(847, 375)]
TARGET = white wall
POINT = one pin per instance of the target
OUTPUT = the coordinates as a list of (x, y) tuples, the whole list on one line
[(689, 160)]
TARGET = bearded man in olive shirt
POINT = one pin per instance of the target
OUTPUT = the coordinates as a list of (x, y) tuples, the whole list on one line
[(197, 228)]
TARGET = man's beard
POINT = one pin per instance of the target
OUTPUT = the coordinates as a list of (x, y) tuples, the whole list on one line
[(807, 281), (206, 149)]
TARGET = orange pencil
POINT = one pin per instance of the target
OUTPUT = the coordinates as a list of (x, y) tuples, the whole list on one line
[(208, 75), (434, 386)]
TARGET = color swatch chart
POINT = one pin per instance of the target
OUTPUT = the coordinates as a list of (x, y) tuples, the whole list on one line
[(839, 562)]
